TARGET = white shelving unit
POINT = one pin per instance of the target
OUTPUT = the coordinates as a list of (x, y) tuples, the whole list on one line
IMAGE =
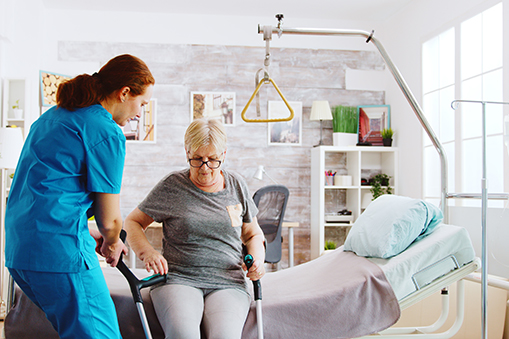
[(14, 90), (357, 162)]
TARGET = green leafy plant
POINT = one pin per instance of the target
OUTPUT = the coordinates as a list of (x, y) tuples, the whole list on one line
[(16, 106), (330, 245), (387, 133), (380, 185), (345, 119), (11, 175)]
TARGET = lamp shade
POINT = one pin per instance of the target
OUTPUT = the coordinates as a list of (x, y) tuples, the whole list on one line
[(320, 110), (11, 143), (259, 173)]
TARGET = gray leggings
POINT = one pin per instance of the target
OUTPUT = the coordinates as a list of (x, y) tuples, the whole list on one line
[(181, 309)]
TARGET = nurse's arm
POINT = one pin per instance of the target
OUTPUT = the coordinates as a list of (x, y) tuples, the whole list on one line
[(135, 224), (109, 224)]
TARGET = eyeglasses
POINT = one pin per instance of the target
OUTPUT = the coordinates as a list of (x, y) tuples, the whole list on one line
[(212, 163)]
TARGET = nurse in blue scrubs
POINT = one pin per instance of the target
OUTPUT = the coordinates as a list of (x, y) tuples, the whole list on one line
[(71, 168)]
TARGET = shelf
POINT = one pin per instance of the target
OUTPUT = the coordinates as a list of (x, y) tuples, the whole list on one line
[(357, 162), (340, 224), (15, 92), (340, 187)]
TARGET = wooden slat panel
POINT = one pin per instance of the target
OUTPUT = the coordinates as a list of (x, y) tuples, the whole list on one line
[(303, 75)]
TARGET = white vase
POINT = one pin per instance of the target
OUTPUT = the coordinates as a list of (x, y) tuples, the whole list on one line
[(17, 113), (344, 139)]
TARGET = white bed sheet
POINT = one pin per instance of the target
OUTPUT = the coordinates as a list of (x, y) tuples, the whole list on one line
[(446, 240)]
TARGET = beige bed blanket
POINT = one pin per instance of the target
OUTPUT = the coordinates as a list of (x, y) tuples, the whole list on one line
[(338, 295)]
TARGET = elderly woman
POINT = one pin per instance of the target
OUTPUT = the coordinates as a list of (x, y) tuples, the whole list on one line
[(207, 214)]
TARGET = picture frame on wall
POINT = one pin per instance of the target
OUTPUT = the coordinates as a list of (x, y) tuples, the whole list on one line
[(285, 133), (143, 129), (372, 120), (220, 105), (49, 82)]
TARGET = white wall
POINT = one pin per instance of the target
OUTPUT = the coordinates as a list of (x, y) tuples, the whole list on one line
[(402, 37), (29, 34)]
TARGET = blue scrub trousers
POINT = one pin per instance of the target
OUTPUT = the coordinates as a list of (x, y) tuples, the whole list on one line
[(78, 305)]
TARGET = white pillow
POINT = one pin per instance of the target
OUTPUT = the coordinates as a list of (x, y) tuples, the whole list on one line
[(390, 224)]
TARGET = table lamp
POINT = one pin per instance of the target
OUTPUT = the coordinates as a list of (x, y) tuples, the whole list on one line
[(11, 142), (259, 174), (320, 110)]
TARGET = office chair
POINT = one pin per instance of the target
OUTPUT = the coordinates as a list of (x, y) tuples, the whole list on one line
[(271, 202)]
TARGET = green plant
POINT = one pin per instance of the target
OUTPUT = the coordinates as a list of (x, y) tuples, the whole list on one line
[(11, 175), (387, 133), (345, 119), (330, 245), (16, 106), (380, 185)]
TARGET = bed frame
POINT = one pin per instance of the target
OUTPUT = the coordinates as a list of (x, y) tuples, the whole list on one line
[(456, 276)]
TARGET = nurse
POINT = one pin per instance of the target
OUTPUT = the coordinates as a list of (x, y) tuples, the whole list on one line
[(71, 168)]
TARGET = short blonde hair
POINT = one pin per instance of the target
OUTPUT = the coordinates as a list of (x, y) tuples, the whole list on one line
[(205, 132)]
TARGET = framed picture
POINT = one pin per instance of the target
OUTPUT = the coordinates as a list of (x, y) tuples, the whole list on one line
[(220, 105), (286, 133), (372, 120), (144, 128), (49, 83)]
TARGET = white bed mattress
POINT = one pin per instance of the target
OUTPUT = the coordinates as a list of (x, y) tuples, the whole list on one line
[(427, 259)]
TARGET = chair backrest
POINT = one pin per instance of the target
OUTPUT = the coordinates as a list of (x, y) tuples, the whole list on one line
[(271, 202)]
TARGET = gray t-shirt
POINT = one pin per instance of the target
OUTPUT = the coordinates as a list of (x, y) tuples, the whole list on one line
[(201, 230)]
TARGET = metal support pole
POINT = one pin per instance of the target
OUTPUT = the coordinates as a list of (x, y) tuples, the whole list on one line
[(484, 209), (484, 199)]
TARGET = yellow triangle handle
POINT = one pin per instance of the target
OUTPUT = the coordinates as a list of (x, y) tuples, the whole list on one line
[(290, 117)]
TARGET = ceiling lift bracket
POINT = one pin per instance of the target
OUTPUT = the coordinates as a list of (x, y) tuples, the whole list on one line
[(267, 36)]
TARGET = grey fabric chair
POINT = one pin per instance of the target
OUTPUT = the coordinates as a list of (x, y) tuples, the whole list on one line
[(271, 202)]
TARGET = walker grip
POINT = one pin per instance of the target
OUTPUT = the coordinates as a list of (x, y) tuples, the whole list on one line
[(257, 286)]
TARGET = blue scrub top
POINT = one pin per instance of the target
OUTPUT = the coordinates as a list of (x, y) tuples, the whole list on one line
[(66, 157)]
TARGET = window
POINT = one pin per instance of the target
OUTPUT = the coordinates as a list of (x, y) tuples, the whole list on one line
[(478, 77)]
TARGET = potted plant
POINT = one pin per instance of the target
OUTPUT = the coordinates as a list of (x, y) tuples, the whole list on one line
[(345, 123), (329, 246), (387, 134), (17, 112), (9, 179), (380, 184)]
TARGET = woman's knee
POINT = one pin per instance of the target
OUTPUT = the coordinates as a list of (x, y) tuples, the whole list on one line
[(225, 313), (179, 309)]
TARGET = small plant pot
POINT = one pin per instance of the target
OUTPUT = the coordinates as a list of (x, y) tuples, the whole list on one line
[(387, 142), (344, 139), (17, 113)]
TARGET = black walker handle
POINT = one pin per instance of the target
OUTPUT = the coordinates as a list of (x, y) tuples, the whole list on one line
[(257, 286), (134, 283)]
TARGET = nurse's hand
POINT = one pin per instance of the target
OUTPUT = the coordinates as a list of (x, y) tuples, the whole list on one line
[(98, 239), (111, 252), (154, 261)]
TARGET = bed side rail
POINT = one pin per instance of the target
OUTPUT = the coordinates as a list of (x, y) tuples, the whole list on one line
[(438, 269), (440, 283)]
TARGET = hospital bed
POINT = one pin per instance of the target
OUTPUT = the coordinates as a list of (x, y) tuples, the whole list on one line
[(308, 301)]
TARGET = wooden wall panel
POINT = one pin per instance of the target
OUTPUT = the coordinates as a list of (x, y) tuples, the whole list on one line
[(302, 74)]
